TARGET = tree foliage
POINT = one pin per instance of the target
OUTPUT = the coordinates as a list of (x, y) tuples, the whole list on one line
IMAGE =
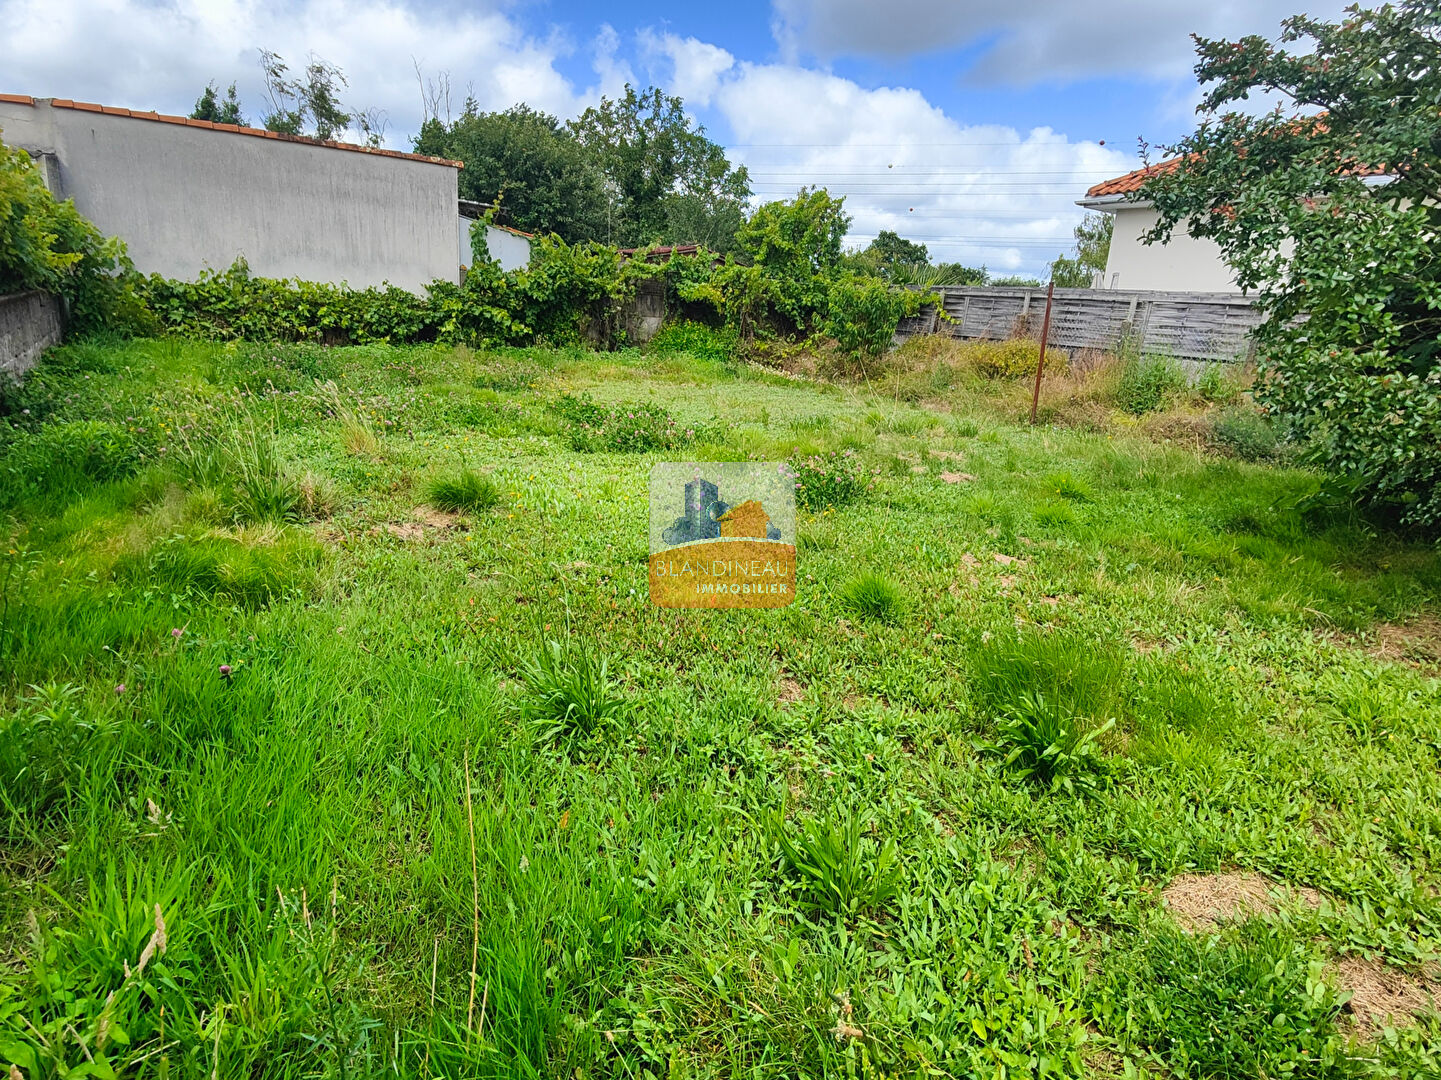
[(1329, 207), (308, 102), (662, 173), (525, 162), (1093, 247), (219, 110)]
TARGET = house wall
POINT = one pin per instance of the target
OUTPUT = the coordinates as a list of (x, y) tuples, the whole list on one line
[(186, 199), (507, 248), (1183, 264)]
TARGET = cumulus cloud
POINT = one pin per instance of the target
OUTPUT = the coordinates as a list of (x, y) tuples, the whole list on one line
[(1028, 41), (687, 67), (142, 55), (977, 194)]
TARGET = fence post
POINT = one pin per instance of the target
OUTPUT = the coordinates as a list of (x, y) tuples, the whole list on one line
[(1041, 359)]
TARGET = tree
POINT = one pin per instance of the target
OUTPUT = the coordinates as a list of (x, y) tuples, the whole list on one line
[(309, 103), (523, 160), (661, 172), (211, 106), (1093, 247), (1330, 206)]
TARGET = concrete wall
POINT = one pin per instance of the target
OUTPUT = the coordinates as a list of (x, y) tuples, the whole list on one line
[(185, 199), (30, 323), (509, 249), (1184, 264)]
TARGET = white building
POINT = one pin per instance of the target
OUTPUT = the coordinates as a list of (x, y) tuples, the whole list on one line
[(1183, 264), (188, 195), (509, 248)]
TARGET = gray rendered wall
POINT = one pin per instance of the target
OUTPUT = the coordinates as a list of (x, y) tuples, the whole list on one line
[(185, 199)]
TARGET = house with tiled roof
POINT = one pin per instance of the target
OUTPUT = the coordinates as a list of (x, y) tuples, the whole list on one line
[(1184, 263), (190, 195)]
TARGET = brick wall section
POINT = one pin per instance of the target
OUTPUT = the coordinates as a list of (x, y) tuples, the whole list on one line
[(30, 323)]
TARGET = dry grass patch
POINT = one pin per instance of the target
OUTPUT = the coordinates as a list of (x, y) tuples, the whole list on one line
[(1200, 901), (1417, 642), (790, 692), (1382, 995)]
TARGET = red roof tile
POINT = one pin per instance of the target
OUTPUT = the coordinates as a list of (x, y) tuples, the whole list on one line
[(85, 106), (1132, 181)]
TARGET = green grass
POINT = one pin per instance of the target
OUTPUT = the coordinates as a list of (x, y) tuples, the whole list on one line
[(467, 491), (244, 677)]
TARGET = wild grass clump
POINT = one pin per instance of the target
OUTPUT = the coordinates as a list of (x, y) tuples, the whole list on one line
[(872, 596), (838, 867), (1219, 384), (464, 492), (46, 745), (1148, 383), (635, 429), (829, 479), (1067, 485), (249, 575), (571, 692), (1076, 673), (357, 433)]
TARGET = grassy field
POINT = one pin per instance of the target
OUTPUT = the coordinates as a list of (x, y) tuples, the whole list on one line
[(1124, 766)]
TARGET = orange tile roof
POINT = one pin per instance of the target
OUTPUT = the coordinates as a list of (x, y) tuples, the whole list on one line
[(86, 106), (1132, 181)]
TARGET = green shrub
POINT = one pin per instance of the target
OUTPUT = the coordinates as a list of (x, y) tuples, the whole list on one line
[(637, 429), (872, 596), (1013, 358), (1245, 433), (827, 480), (1148, 383), (467, 490), (719, 345), (839, 868), (570, 692), (864, 312)]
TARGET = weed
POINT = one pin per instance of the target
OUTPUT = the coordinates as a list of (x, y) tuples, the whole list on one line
[(698, 340), (1245, 433), (636, 428), (840, 869), (1148, 382), (1218, 384), (872, 596), (466, 491), (570, 692), (1044, 743), (832, 479), (1068, 486), (1013, 358)]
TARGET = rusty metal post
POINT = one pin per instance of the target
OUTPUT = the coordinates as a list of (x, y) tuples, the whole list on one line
[(1041, 360)]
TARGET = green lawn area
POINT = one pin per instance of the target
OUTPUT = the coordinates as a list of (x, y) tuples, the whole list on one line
[(252, 681)]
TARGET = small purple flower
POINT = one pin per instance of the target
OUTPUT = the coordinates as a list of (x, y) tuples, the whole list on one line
[(225, 671), (175, 633), (120, 688)]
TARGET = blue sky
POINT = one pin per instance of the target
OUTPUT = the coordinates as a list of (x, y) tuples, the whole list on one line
[(969, 125)]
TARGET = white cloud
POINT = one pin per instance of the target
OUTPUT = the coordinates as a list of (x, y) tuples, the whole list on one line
[(685, 66), (1029, 41), (972, 193), (142, 55)]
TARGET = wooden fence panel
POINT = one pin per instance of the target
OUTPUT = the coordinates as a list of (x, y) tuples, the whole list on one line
[(1188, 326)]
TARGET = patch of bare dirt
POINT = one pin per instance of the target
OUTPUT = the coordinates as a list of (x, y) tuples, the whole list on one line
[(1200, 901), (1417, 642), (425, 521), (790, 692), (1382, 995)]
